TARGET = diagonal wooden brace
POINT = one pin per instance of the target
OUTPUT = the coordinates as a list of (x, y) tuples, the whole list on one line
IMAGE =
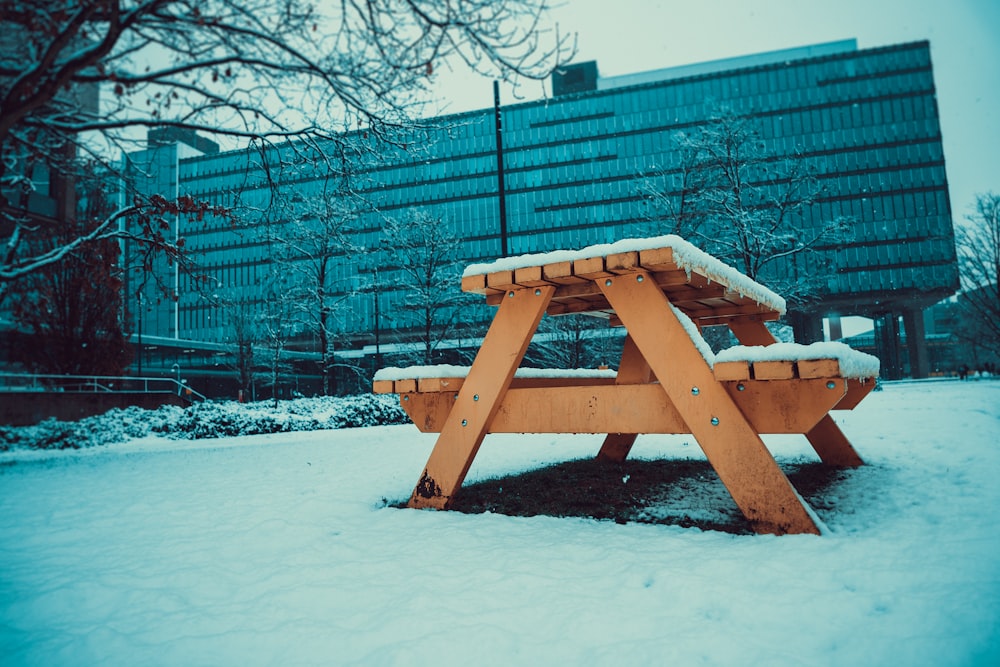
[(734, 449), (479, 398), (826, 438), (633, 369)]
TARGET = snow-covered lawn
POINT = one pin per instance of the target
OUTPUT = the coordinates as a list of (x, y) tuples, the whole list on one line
[(280, 550)]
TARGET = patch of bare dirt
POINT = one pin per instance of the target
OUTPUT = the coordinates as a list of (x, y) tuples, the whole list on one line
[(668, 492)]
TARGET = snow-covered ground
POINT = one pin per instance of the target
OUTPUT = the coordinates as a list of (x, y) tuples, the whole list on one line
[(280, 550)]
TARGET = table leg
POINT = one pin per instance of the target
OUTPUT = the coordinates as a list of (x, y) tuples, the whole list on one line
[(633, 369), (735, 450), (826, 438), (479, 398)]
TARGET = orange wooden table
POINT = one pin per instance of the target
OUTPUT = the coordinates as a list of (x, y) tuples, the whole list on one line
[(662, 291)]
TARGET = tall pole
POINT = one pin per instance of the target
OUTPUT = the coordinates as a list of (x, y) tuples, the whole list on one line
[(500, 179), (177, 238), (139, 327), (378, 339)]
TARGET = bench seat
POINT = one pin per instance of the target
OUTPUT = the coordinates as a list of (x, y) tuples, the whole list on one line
[(776, 395), (450, 378)]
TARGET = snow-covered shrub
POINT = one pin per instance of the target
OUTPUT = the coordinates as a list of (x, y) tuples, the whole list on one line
[(211, 419), (369, 410), (53, 434)]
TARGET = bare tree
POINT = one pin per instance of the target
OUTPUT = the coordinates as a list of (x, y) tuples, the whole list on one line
[(425, 254), (311, 235), (573, 341), (86, 78), (670, 193), (244, 334), (276, 328), (74, 308), (978, 245), (748, 206)]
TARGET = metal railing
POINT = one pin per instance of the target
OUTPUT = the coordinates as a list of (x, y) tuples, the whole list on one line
[(14, 382)]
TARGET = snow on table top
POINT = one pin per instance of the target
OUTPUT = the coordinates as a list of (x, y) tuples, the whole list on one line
[(447, 371), (686, 256), (853, 364)]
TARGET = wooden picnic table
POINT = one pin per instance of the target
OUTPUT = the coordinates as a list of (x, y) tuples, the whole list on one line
[(662, 291)]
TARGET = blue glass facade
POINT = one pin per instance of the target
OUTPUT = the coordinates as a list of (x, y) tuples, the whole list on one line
[(864, 121)]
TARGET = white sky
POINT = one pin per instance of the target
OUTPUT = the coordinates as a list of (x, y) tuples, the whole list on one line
[(629, 36)]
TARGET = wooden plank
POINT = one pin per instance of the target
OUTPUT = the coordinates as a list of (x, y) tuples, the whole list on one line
[(589, 306), (732, 370), (669, 278), (475, 284), (623, 262), (721, 314), (778, 407), (500, 280), (582, 288), (453, 384), (561, 273), (709, 297), (722, 320), (529, 276), (590, 268), (405, 386), (773, 370), (819, 368), (383, 387), (659, 259)]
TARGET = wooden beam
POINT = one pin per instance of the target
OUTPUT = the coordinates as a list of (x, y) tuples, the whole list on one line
[(479, 398), (732, 446)]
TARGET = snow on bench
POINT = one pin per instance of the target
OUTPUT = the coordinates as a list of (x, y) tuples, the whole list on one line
[(788, 360), (780, 361), (445, 377)]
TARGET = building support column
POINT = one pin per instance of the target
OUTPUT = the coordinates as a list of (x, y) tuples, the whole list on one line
[(836, 328), (887, 345), (807, 327), (913, 324)]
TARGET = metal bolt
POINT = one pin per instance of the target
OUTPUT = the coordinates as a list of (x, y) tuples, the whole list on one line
[(715, 421), (741, 387), (608, 282), (831, 385), (695, 391), (465, 422)]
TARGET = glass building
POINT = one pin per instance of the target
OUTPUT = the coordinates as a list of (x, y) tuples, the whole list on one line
[(863, 121)]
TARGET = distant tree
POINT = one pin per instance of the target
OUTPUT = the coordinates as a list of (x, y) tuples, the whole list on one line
[(572, 341), (425, 255), (311, 237), (73, 307), (747, 206), (86, 78), (671, 193), (978, 245), (276, 326), (244, 335)]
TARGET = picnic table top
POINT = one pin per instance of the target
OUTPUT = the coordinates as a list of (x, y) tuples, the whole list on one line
[(701, 286)]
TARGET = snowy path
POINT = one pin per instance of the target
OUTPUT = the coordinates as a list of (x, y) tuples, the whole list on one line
[(278, 550)]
